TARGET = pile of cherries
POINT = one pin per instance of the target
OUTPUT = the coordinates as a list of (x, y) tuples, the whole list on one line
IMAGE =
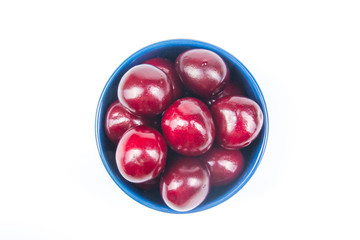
[(194, 108)]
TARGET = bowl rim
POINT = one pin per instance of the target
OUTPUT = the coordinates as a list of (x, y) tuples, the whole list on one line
[(193, 44)]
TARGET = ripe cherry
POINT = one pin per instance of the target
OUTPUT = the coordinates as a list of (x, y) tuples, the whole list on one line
[(118, 120), (188, 127), (141, 154), (202, 71), (185, 184), (145, 90), (238, 121), (168, 68), (224, 165)]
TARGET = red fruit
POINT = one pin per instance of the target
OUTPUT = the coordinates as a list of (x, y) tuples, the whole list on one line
[(231, 89), (145, 90), (185, 184), (202, 71), (238, 121), (188, 127), (169, 69), (141, 154), (118, 120), (224, 165)]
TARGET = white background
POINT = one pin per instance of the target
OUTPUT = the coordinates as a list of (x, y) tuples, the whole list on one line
[(55, 58)]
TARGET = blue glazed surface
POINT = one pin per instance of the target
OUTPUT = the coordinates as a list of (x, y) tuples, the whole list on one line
[(171, 49)]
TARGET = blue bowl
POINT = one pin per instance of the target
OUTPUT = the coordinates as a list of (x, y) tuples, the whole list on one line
[(171, 49)]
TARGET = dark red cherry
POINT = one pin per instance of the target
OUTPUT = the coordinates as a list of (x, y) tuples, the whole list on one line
[(118, 120), (231, 89), (145, 90), (188, 127), (224, 165), (202, 71), (169, 69), (185, 184), (238, 121), (141, 154)]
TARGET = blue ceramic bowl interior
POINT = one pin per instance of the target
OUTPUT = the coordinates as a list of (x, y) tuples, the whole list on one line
[(171, 49)]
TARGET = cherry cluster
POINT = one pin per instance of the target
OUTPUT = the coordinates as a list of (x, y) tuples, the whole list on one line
[(179, 126)]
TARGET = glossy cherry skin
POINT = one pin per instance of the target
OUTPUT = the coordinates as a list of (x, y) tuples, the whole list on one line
[(185, 184), (202, 71), (231, 89), (145, 90), (118, 120), (224, 165), (238, 121), (141, 154), (168, 68), (188, 127)]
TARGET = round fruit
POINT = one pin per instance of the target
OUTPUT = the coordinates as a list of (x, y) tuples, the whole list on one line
[(141, 154), (202, 71), (231, 89), (169, 69), (188, 127), (238, 121), (185, 184), (224, 165), (145, 90), (118, 120)]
